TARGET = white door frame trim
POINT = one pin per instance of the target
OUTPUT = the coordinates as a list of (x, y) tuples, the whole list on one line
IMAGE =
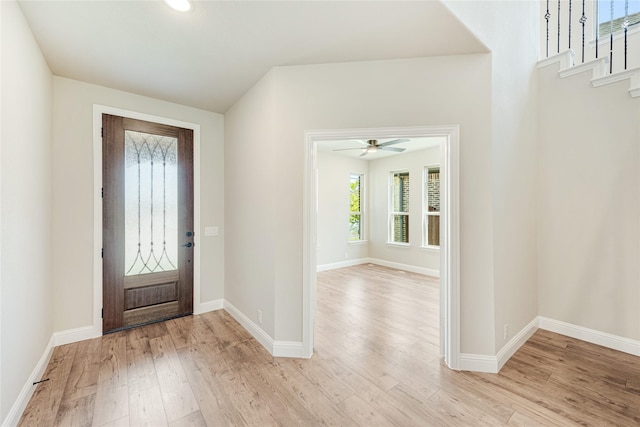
[(98, 110), (450, 223)]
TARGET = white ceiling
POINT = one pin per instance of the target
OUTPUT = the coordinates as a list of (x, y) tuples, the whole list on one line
[(209, 57), (411, 146)]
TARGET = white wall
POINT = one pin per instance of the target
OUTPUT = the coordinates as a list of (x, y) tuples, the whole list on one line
[(26, 205), (333, 209), (589, 210), (379, 247), (290, 100), (73, 192), (511, 30), (251, 189)]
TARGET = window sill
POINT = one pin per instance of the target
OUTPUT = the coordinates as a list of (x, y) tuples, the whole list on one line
[(430, 248), (358, 242), (399, 245)]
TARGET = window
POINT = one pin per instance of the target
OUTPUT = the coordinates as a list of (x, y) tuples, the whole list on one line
[(613, 15), (356, 182), (399, 208), (431, 206)]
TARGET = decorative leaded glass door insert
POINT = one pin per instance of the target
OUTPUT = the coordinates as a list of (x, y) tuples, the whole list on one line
[(147, 222), (151, 203)]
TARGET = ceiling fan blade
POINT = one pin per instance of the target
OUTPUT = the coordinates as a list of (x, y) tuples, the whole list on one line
[(345, 149), (399, 150), (395, 141), (364, 153)]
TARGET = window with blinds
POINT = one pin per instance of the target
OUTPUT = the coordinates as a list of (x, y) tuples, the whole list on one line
[(399, 207), (431, 206)]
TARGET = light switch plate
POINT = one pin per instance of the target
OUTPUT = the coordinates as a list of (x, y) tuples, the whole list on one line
[(211, 231)]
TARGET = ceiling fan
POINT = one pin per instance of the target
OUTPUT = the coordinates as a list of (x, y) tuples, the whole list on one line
[(372, 145)]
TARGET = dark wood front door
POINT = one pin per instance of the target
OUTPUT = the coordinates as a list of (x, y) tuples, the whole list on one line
[(147, 206)]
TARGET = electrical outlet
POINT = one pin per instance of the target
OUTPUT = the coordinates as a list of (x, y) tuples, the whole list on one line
[(346, 255), (260, 316), (506, 331)]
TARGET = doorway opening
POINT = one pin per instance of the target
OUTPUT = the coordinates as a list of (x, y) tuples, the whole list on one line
[(448, 137)]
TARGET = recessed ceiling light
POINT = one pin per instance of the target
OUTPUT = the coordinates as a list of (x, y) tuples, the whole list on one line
[(179, 5)]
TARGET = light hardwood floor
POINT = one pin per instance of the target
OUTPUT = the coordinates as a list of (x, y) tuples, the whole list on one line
[(376, 363)]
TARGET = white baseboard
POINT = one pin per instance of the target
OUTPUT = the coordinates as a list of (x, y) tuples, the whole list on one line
[(405, 267), (288, 349), (382, 262), (74, 335), (21, 402), (478, 363), (251, 327), (275, 348), (342, 264), (604, 339), (493, 364), (88, 332), (205, 307), (515, 343)]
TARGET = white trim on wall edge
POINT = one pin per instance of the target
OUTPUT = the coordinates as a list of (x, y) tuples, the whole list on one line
[(275, 348), (478, 363), (516, 342), (604, 339), (288, 349), (74, 335), (205, 307), (493, 364), (256, 331), (405, 267), (21, 402)]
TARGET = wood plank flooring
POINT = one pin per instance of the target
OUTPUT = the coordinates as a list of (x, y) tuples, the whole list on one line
[(376, 362)]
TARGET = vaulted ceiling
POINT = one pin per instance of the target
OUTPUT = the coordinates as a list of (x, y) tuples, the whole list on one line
[(208, 58)]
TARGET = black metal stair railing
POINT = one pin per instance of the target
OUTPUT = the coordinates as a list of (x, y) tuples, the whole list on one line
[(616, 25), (583, 20)]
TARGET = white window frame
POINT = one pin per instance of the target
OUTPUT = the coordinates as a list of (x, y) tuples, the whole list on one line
[(363, 205), (604, 38), (425, 208), (393, 213)]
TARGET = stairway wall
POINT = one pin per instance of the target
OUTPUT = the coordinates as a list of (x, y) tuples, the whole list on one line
[(589, 204)]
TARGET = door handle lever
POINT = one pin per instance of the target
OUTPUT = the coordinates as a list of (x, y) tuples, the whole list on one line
[(188, 244)]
